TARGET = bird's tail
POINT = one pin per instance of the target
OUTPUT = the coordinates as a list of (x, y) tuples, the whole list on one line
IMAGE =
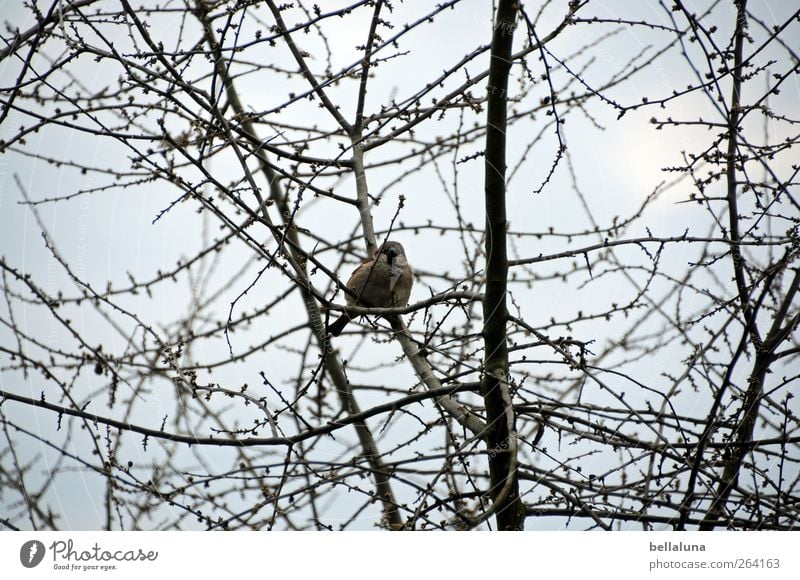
[(336, 327)]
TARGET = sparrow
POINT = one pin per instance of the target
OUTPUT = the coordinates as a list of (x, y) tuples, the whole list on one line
[(381, 281)]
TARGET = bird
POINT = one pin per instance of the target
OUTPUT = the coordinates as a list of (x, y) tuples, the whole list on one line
[(382, 281)]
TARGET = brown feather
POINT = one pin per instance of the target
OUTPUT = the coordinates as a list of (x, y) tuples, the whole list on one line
[(382, 281)]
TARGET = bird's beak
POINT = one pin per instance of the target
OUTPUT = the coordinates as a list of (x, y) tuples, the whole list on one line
[(391, 254)]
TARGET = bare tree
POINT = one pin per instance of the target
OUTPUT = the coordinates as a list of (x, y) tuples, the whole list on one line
[(593, 343)]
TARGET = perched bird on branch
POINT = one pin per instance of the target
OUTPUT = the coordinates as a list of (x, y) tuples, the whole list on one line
[(382, 281)]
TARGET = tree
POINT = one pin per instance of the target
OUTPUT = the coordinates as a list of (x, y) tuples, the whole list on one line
[(606, 338)]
